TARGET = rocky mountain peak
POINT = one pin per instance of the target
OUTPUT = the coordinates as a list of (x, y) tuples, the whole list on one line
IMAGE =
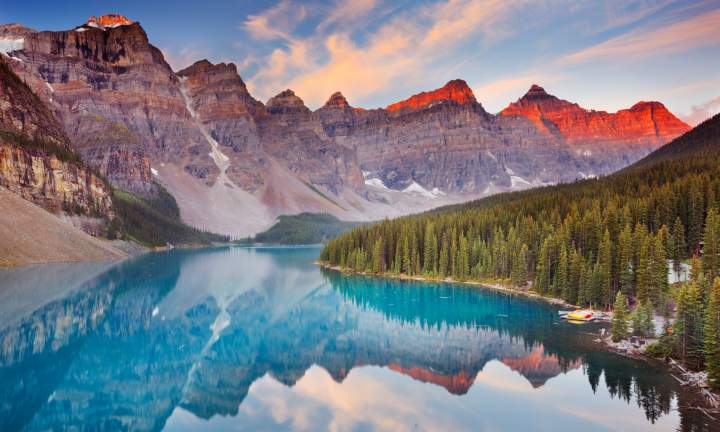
[(14, 30), (205, 66), (337, 100), (285, 101), (456, 91), (108, 21), (536, 92), (648, 105), (537, 101), (199, 66)]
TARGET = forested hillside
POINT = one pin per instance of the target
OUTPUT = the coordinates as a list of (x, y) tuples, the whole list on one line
[(302, 229), (582, 242)]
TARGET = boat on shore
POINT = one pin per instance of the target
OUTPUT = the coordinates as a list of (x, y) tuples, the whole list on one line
[(583, 315)]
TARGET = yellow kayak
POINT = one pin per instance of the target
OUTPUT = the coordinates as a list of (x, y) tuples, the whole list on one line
[(582, 315)]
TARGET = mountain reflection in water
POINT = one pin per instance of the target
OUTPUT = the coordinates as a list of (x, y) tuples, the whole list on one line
[(258, 339)]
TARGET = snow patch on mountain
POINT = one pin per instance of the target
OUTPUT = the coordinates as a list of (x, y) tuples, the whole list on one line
[(517, 182), (376, 182), (415, 188), (10, 45), (220, 159)]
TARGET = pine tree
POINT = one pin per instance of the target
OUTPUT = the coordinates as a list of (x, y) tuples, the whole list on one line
[(544, 277), (643, 320), (519, 273), (680, 247), (643, 271), (444, 256), (574, 277), (625, 258), (688, 330), (430, 250), (378, 258), (463, 259), (619, 320), (406, 261), (712, 336), (648, 321), (711, 247), (397, 263), (605, 269), (659, 271), (561, 275)]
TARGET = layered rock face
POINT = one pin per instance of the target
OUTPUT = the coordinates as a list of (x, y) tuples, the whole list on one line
[(100, 80), (293, 134), (35, 159), (608, 141), (444, 139), (221, 101)]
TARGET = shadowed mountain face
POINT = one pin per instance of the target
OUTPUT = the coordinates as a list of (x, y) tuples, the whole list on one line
[(222, 153), (222, 332)]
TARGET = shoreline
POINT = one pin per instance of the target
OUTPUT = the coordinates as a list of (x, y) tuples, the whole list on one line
[(494, 285), (605, 342)]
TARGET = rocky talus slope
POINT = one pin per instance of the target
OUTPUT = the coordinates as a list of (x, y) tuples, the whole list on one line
[(234, 163), (29, 234)]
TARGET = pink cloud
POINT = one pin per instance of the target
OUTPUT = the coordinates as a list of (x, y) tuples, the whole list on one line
[(702, 112)]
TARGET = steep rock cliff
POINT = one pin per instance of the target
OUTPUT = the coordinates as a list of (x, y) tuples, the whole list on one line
[(36, 161), (93, 77)]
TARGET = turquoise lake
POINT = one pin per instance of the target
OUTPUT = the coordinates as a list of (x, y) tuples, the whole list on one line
[(262, 339)]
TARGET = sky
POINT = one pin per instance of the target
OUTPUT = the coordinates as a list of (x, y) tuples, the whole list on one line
[(604, 55)]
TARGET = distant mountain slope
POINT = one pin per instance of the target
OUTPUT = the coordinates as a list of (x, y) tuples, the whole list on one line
[(29, 234), (304, 228), (703, 140)]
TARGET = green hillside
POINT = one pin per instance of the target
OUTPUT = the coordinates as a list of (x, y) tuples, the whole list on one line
[(303, 228)]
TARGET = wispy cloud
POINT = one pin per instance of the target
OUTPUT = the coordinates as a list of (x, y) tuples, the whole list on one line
[(376, 51), (346, 12), (277, 22), (406, 44), (699, 31)]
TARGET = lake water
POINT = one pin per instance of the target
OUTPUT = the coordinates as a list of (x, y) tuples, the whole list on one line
[(262, 339)]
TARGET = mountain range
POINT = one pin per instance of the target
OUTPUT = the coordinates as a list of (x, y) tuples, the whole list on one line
[(234, 163)]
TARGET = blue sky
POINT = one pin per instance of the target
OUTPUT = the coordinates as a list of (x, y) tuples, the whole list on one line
[(605, 55)]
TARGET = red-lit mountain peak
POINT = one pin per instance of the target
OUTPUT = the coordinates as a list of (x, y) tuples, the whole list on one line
[(337, 100), (645, 123), (454, 91), (108, 21)]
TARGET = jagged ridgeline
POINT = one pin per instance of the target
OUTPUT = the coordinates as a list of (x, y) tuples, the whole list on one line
[(578, 241)]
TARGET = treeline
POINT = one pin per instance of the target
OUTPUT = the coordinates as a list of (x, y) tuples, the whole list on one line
[(582, 242)]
